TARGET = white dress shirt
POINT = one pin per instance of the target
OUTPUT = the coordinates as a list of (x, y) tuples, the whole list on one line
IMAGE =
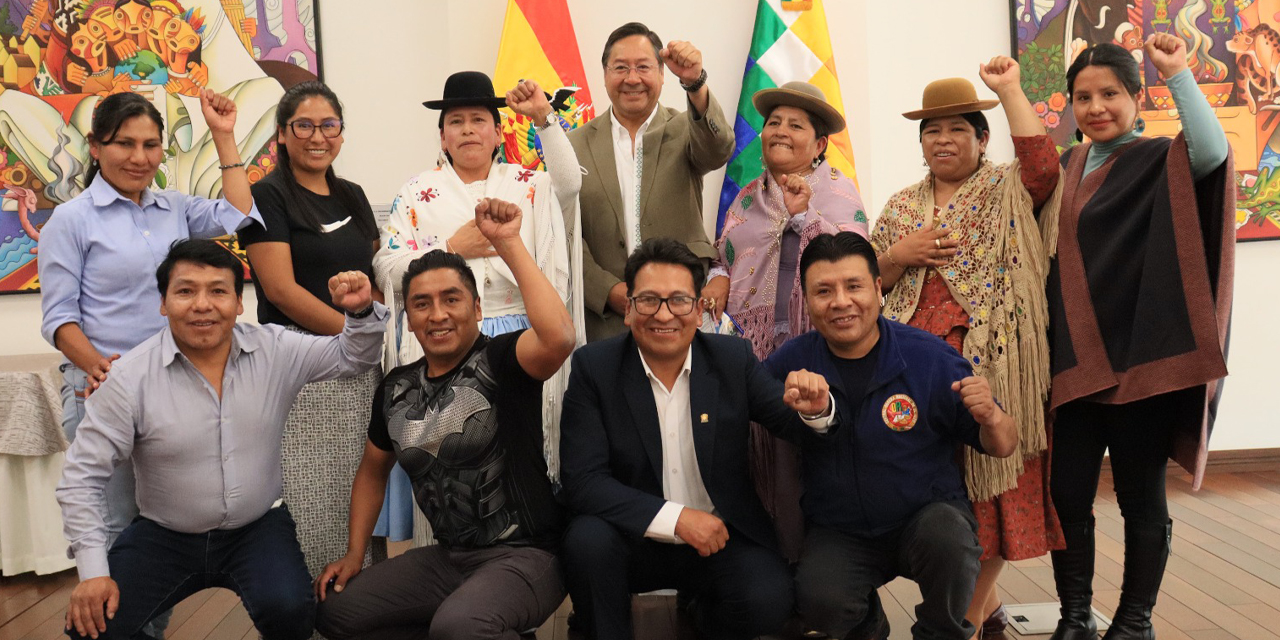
[(629, 159), (682, 484)]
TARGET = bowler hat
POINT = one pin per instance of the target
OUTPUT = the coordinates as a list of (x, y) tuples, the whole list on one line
[(949, 97), (467, 89), (800, 95)]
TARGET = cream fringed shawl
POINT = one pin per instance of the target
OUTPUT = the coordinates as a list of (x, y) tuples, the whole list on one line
[(998, 277)]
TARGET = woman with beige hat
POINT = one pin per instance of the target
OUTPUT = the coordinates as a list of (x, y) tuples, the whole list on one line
[(961, 257), (797, 197)]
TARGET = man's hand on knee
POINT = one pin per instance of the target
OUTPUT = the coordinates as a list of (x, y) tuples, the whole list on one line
[(702, 531), (338, 573), (90, 598)]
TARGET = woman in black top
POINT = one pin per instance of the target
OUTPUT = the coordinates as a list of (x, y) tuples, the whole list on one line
[(316, 224)]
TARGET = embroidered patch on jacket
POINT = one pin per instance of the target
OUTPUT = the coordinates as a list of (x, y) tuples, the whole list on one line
[(899, 412)]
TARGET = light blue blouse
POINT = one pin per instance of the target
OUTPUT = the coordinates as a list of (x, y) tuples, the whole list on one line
[(99, 253)]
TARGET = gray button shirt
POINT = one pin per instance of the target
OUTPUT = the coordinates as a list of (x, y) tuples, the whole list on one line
[(201, 463)]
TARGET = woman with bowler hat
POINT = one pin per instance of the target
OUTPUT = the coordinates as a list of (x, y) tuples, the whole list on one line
[(961, 258)]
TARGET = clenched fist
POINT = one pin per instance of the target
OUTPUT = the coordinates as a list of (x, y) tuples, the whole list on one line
[(684, 60), (796, 193), (807, 393), (498, 220), (351, 291)]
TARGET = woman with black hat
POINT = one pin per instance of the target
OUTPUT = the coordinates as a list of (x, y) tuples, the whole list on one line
[(436, 210), (961, 258)]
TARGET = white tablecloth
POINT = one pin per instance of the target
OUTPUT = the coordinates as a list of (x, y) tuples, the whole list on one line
[(31, 455)]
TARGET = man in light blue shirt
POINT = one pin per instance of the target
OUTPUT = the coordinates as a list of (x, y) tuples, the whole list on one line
[(200, 407)]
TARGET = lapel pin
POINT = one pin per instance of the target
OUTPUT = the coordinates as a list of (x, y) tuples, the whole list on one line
[(705, 419)]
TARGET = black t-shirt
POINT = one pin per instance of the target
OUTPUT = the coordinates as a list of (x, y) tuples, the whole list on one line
[(316, 255), (471, 442), (855, 375)]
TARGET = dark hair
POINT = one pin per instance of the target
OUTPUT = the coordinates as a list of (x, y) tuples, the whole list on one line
[(663, 251), (201, 252), (626, 31), (1110, 55), (297, 206), (976, 119), (834, 248), (438, 259), (110, 114), (820, 129), (497, 123)]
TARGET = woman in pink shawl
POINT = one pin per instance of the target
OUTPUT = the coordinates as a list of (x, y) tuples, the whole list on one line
[(796, 198)]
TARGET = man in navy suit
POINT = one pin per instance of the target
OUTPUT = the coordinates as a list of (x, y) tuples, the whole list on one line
[(654, 461)]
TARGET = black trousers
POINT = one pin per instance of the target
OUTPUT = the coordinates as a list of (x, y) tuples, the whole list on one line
[(937, 548), (1139, 437), (744, 591), (455, 594)]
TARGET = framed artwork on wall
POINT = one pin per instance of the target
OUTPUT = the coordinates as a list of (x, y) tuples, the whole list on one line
[(1233, 50), (59, 58)]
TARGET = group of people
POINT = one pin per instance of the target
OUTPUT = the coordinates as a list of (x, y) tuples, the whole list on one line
[(889, 407)]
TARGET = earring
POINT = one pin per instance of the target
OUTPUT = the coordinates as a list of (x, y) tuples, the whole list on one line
[(764, 166), (1079, 135), (1139, 125), (815, 163), (442, 158)]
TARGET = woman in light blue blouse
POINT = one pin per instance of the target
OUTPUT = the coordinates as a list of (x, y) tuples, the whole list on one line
[(99, 251)]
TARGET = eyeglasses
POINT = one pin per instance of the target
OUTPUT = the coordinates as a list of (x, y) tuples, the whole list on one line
[(640, 69), (306, 128), (678, 305)]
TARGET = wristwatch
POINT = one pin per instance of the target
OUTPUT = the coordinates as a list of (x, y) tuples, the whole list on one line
[(552, 120), (364, 313), (697, 84)]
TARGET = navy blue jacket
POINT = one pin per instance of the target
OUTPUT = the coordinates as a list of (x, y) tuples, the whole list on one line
[(867, 478), (611, 445)]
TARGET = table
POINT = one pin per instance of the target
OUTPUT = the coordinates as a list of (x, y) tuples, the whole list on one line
[(32, 450)]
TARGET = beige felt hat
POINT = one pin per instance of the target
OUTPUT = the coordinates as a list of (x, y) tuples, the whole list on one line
[(949, 97), (800, 95)]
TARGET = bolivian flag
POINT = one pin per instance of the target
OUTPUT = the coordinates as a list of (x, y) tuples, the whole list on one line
[(538, 43), (790, 42)]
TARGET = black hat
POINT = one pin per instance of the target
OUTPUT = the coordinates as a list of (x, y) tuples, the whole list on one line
[(467, 89)]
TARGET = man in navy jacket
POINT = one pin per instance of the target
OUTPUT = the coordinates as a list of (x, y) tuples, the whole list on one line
[(883, 494), (654, 461)]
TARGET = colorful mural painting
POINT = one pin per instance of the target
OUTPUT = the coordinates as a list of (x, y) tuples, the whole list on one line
[(58, 58), (1234, 52)]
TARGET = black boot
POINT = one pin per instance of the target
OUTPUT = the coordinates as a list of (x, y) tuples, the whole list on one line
[(1073, 575), (1146, 551)]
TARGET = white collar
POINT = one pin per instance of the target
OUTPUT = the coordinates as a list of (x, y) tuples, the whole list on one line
[(684, 370), (619, 131)]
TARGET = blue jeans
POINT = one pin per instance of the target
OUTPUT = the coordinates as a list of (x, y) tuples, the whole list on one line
[(156, 568), (121, 506)]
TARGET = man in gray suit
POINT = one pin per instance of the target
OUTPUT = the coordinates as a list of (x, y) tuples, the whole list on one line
[(644, 165)]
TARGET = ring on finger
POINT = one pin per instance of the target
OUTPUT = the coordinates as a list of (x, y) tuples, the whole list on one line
[(937, 243)]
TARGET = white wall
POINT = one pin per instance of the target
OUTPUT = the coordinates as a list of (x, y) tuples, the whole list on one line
[(385, 59)]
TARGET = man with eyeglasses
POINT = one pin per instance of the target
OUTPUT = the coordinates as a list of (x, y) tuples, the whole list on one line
[(644, 165), (654, 461)]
